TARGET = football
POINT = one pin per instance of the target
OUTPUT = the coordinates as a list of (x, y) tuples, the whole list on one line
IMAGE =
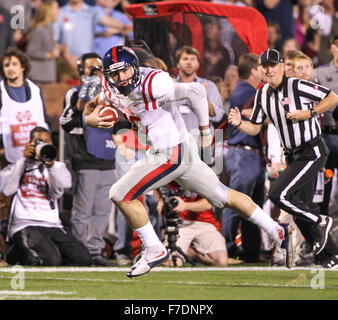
[(109, 111)]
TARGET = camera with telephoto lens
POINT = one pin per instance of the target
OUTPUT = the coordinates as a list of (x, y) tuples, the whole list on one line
[(44, 151), (171, 220), (96, 70), (170, 217), (170, 201)]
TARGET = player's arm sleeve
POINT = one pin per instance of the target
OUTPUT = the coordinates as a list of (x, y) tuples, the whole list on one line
[(105, 95), (197, 95), (104, 99)]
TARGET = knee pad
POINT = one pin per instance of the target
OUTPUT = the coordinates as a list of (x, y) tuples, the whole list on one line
[(114, 194)]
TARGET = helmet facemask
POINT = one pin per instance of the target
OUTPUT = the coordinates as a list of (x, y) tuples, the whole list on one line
[(115, 68)]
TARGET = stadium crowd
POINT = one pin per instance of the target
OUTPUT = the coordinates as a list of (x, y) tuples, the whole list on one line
[(63, 42)]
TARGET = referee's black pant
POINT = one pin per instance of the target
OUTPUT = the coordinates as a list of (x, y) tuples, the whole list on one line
[(294, 189)]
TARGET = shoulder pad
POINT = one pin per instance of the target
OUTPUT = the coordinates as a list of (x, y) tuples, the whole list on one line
[(157, 83)]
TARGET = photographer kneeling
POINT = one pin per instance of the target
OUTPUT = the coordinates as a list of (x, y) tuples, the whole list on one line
[(198, 236), (36, 235)]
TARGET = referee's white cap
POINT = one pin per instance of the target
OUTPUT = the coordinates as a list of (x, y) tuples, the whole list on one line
[(271, 56)]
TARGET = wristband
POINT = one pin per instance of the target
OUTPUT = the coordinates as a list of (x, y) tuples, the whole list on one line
[(239, 124), (205, 132), (313, 113)]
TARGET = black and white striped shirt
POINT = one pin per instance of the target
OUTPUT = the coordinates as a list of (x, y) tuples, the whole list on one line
[(292, 94)]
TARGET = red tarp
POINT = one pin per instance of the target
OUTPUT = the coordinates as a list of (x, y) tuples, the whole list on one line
[(249, 24)]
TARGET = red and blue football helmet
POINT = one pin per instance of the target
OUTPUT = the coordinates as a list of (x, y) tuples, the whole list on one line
[(117, 59)]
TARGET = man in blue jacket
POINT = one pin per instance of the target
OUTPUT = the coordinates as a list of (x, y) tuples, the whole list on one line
[(245, 165)]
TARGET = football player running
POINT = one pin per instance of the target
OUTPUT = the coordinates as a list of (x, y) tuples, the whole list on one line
[(144, 97)]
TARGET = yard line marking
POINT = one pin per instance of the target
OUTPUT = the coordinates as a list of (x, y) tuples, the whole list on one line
[(156, 269), (9, 297), (33, 293)]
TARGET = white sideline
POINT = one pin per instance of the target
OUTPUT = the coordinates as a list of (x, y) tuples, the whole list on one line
[(156, 269), (32, 293)]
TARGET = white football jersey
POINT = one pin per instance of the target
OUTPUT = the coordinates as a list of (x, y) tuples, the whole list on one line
[(159, 126)]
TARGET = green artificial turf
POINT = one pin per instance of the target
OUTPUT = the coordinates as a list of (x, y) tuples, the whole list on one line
[(235, 283)]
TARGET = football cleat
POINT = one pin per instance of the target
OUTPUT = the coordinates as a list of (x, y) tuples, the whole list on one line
[(331, 263), (283, 233), (321, 234), (281, 238), (145, 263)]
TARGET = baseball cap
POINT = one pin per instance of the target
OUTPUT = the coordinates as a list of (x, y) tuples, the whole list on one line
[(271, 56)]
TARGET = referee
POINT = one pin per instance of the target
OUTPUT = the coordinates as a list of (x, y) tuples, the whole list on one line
[(292, 105)]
